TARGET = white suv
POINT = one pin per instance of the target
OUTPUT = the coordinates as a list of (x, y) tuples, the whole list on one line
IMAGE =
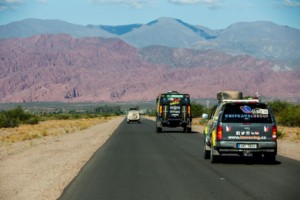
[(133, 116)]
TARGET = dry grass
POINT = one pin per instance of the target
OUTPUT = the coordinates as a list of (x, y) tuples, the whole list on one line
[(199, 121), (289, 133), (51, 127)]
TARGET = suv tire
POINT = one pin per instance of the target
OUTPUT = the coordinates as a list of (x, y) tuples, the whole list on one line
[(213, 158)]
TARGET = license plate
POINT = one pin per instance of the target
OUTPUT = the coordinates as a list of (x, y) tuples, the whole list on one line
[(247, 146)]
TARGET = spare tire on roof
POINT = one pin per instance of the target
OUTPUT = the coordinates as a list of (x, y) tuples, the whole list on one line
[(229, 95)]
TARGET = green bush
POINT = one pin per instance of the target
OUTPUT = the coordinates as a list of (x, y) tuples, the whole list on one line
[(290, 116), (15, 117), (7, 121), (32, 121), (278, 106), (287, 114), (197, 109)]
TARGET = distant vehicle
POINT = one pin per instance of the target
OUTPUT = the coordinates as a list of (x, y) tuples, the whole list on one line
[(173, 109), (242, 126), (133, 115)]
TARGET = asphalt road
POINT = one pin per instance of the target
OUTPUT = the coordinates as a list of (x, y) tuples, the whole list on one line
[(137, 163)]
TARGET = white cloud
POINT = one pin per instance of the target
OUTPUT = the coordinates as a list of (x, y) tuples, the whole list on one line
[(291, 3), (10, 1), (131, 3), (13, 4), (9, 4), (207, 2)]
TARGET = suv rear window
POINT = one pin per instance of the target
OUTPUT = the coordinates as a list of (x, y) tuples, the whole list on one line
[(246, 113)]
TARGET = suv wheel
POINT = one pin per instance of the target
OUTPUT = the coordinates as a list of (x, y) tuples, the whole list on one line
[(206, 152), (189, 129), (213, 158), (158, 130)]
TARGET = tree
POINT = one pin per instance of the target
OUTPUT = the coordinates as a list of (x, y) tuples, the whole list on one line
[(278, 106), (197, 109), (290, 116)]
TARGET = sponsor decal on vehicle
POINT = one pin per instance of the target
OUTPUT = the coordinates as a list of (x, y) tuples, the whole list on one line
[(175, 101), (256, 113), (228, 128), (246, 109), (266, 128), (260, 111), (250, 137), (242, 116), (246, 133)]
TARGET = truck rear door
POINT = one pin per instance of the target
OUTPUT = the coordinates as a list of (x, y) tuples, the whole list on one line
[(175, 106)]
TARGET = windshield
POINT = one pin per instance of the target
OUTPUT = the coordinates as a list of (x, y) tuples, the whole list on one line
[(246, 113)]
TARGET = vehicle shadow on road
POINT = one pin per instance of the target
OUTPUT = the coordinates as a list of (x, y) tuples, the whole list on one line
[(232, 159), (176, 132)]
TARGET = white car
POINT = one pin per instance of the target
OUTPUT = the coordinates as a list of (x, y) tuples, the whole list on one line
[(133, 116)]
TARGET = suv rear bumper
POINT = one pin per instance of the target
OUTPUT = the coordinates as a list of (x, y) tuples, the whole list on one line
[(232, 146)]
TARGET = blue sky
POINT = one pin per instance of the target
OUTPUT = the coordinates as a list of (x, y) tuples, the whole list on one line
[(215, 14)]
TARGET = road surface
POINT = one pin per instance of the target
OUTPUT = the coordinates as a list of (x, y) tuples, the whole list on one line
[(137, 163)]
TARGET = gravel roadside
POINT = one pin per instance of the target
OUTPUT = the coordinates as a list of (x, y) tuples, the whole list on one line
[(42, 168)]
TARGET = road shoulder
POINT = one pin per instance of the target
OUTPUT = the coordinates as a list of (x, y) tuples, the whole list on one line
[(46, 166)]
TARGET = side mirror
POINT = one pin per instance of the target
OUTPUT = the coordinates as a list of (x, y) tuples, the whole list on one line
[(205, 116)]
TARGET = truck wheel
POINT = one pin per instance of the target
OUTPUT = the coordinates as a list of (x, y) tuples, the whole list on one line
[(184, 129)]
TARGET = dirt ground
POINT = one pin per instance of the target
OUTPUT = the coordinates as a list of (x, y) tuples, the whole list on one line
[(41, 168)]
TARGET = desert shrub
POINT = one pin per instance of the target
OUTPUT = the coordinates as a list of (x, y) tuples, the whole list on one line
[(15, 117), (287, 114), (278, 106), (32, 121), (197, 109), (63, 116), (290, 116), (108, 110), (8, 121), (280, 134)]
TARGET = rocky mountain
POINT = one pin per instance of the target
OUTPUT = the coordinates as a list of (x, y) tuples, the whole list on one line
[(260, 39), (165, 32), (31, 27), (263, 40), (117, 30), (65, 68)]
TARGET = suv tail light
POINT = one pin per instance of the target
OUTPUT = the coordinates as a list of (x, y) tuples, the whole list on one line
[(160, 110), (189, 110), (219, 132), (274, 133)]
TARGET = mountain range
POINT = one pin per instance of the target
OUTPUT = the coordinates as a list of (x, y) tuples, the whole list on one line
[(53, 60), (261, 39)]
